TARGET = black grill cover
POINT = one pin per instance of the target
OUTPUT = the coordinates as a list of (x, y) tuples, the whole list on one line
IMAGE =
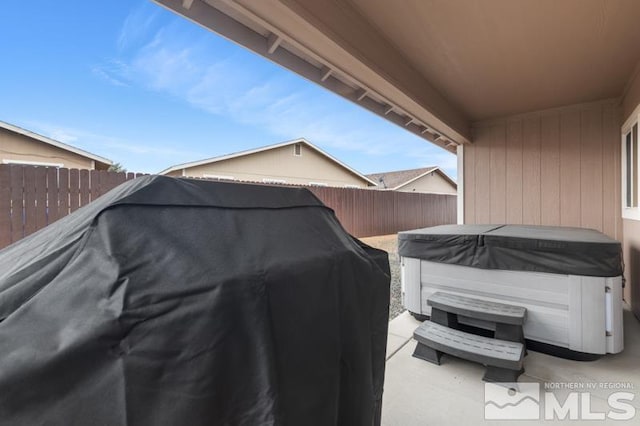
[(551, 249), (184, 302)]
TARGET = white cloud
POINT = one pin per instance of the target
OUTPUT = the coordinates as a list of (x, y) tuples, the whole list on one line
[(107, 76), (136, 26), (168, 60)]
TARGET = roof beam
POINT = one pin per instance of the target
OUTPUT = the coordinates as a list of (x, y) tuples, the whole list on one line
[(273, 42), (342, 23), (251, 25), (361, 94), (325, 72), (187, 4)]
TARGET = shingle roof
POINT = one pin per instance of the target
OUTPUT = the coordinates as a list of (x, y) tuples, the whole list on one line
[(397, 178)]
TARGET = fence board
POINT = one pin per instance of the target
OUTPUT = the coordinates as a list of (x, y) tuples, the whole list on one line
[(118, 178), (99, 183), (29, 200), (95, 184), (41, 197), (104, 181), (85, 184), (52, 195), (25, 193), (17, 203), (74, 190), (107, 181), (364, 212), (63, 192), (5, 206)]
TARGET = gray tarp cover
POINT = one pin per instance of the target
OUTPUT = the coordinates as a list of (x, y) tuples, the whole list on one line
[(183, 302), (558, 250)]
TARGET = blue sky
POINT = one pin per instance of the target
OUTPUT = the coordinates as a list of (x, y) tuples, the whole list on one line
[(135, 83)]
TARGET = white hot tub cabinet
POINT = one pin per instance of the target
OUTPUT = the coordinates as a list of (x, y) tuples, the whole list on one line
[(569, 279)]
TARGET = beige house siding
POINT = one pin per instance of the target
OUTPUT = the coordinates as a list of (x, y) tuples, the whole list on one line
[(554, 167), (21, 148), (631, 98), (431, 183), (280, 164), (631, 252), (631, 233)]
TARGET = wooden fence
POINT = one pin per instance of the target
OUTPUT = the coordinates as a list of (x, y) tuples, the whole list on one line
[(368, 212), (33, 197)]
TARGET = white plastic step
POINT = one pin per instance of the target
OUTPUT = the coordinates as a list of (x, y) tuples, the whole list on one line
[(478, 308), (484, 350)]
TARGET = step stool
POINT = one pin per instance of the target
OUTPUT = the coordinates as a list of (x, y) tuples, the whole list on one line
[(503, 355)]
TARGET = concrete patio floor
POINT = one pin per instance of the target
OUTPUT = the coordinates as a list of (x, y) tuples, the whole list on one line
[(420, 393)]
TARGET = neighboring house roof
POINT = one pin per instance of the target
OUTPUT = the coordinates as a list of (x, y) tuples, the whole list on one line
[(266, 148), (399, 178), (54, 142)]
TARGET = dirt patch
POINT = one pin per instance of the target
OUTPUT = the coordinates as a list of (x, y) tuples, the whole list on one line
[(389, 243)]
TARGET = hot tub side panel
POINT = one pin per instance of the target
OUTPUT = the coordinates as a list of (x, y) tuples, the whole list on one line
[(568, 311)]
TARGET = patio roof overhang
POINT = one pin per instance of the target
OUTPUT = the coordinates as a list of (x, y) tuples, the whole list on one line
[(437, 67)]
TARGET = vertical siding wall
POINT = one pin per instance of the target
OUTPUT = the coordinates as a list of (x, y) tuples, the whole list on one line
[(18, 147), (631, 245), (555, 167)]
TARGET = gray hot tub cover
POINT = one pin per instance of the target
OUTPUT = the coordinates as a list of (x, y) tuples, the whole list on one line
[(183, 302), (557, 250)]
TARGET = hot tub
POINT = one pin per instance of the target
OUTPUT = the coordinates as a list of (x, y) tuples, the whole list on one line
[(569, 279)]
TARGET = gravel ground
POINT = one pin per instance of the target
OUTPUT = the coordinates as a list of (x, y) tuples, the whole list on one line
[(389, 243)]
